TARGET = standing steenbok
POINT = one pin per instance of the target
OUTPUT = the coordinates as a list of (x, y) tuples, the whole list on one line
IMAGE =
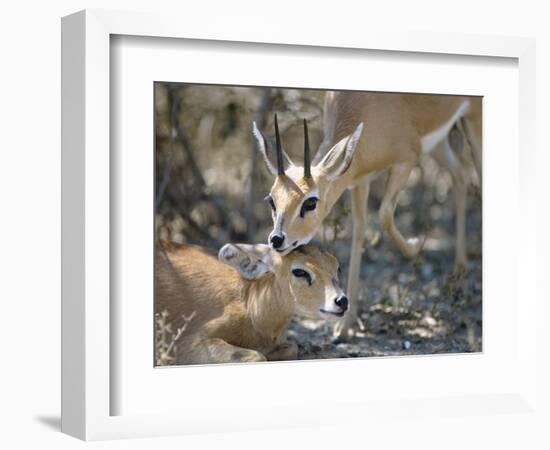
[(364, 134), (241, 306)]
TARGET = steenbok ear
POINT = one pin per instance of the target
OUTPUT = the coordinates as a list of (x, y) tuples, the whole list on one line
[(269, 154), (338, 159), (251, 261)]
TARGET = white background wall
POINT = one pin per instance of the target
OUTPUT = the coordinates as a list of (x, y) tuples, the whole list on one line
[(30, 201)]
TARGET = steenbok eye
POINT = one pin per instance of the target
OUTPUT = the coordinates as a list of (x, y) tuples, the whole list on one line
[(299, 273), (309, 205), (269, 199)]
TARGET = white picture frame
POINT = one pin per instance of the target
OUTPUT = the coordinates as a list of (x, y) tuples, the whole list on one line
[(87, 328)]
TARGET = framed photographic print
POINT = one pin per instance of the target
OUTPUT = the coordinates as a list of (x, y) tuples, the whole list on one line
[(266, 231), (411, 305)]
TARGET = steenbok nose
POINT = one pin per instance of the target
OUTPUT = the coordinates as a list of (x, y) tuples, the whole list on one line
[(342, 302), (277, 240)]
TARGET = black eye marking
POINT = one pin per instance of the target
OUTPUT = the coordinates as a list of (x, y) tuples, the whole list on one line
[(269, 199), (302, 274), (309, 205)]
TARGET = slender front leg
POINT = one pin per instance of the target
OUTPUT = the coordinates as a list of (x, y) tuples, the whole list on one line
[(359, 200), (284, 352), (216, 351), (399, 174)]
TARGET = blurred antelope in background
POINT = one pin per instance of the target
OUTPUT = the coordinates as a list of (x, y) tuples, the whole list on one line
[(241, 304), (365, 134)]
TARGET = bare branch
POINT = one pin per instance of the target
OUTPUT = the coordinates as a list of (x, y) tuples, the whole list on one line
[(179, 332), (168, 164), (165, 349)]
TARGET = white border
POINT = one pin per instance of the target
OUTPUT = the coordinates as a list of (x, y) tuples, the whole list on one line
[(138, 388), (85, 407)]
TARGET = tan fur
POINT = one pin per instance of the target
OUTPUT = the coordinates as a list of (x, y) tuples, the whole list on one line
[(394, 124), (235, 319), (396, 128)]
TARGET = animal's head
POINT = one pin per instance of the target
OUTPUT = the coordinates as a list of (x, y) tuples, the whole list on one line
[(298, 197), (308, 275)]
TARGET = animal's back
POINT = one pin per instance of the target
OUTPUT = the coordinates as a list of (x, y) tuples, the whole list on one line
[(191, 281), (393, 124)]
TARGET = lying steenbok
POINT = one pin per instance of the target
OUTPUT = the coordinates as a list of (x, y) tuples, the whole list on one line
[(242, 304), (364, 134)]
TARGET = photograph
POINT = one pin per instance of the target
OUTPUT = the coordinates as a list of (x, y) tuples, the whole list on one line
[(305, 224)]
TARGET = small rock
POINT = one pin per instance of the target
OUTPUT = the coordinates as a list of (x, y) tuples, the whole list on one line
[(403, 278), (427, 271), (376, 322), (338, 340), (407, 345), (429, 321)]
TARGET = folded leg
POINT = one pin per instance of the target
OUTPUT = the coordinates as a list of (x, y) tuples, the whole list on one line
[(216, 351)]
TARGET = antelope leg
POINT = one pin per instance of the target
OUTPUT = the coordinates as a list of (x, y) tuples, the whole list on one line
[(449, 158), (399, 174), (216, 351), (359, 200)]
